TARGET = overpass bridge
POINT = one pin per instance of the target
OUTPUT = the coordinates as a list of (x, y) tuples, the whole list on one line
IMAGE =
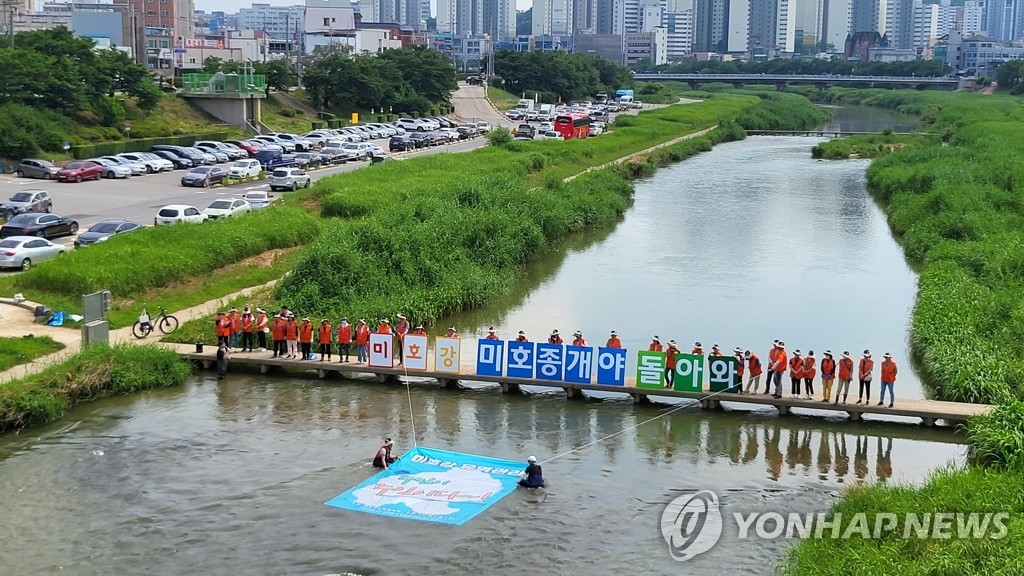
[(822, 81)]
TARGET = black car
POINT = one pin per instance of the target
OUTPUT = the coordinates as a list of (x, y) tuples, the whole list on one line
[(309, 160), (183, 152), (101, 231), (333, 154), (39, 224), (437, 138), (420, 139), (465, 132), (444, 122), (178, 161), (402, 143), (204, 176)]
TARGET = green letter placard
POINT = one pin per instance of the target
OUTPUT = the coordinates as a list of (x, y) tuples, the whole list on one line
[(725, 373), (650, 369), (689, 373)]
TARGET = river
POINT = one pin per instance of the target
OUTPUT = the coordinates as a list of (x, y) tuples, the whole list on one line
[(749, 242)]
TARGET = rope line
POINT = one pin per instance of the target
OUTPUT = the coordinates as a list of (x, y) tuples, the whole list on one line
[(408, 393)]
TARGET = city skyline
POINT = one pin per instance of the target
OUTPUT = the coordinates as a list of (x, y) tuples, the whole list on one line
[(232, 6)]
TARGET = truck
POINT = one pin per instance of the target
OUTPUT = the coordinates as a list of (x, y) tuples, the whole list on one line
[(600, 98), (624, 98), (526, 104), (271, 159)]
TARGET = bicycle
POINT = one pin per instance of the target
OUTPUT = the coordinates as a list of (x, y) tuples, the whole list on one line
[(163, 321)]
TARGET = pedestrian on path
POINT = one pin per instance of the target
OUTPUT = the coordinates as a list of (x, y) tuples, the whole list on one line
[(741, 366), (223, 328), (262, 328), (362, 341), (810, 371), (222, 360), (277, 335), (755, 370), (796, 373), (828, 375), (779, 367), (864, 376), (888, 380), (845, 377), (324, 339), (344, 339)]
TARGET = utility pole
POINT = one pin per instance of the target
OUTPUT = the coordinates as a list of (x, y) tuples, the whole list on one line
[(10, 10)]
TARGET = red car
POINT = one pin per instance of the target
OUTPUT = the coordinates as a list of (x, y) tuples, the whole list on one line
[(78, 171), (245, 145)]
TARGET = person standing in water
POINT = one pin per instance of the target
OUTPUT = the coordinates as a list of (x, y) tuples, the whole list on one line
[(222, 360), (533, 476), (383, 458)]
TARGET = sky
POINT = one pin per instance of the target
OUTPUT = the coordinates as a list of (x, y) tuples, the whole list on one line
[(234, 5)]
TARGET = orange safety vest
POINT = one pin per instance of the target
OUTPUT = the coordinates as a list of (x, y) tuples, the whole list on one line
[(419, 332), (655, 347), (809, 370), (866, 366), (452, 334), (796, 367), (345, 334), (291, 330), (247, 323), (828, 368), (715, 353), (754, 365), (846, 369), (780, 360), (234, 323), (697, 351), (670, 358), (362, 335), (741, 363), (772, 354), (325, 333), (278, 328), (384, 328), (306, 332), (888, 371), (522, 339), (401, 328), (614, 342), (579, 342), (261, 322), (491, 337), (222, 326), (555, 340)]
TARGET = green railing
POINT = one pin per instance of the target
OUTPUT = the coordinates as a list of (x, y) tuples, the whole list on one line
[(219, 83)]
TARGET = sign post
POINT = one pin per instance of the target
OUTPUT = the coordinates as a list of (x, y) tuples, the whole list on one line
[(127, 129)]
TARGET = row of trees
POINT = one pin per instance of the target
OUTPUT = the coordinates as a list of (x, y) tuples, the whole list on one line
[(279, 73), (408, 80), (837, 66), (1011, 75), (559, 74)]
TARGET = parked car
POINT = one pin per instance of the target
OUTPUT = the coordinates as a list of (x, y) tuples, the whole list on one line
[(39, 224), (112, 169), (247, 145), (515, 114), (36, 168), (27, 201), (451, 133), (435, 138), (226, 208), (301, 144), (136, 168), (546, 126), (358, 150), (401, 144), (376, 151), (289, 179), (178, 213), (411, 124), (274, 158), (196, 157), (104, 230), (173, 158), (258, 199), (467, 132), (209, 158), (318, 137), (354, 135), (204, 176), (420, 139), (151, 165), (334, 154), (245, 169), (24, 251), (309, 160), (162, 164), (221, 151), (285, 145), (240, 153), (550, 135), (525, 132), (444, 122), (78, 171)]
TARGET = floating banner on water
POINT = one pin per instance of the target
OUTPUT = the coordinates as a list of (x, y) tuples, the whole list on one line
[(434, 486)]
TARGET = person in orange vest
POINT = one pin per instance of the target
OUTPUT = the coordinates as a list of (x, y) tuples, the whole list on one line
[(521, 337), (235, 328), (670, 363), (828, 375), (324, 337), (655, 345), (344, 339), (715, 351), (306, 338), (401, 329), (578, 339), (754, 369), (554, 338), (451, 333), (384, 327), (796, 373), (248, 325), (222, 329), (845, 376), (491, 334), (737, 353), (383, 457), (810, 371), (291, 335), (419, 331), (362, 341), (771, 366), (864, 376), (779, 368), (613, 341), (277, 329), (698, 350), (262, 327), (888, 380)]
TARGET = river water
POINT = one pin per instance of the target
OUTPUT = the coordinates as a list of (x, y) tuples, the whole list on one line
[(749, 242)]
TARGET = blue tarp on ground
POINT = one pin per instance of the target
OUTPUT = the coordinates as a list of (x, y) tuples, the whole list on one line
[(434, 486)]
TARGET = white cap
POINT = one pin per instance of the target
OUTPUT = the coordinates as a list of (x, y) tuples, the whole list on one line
[(531, 459)]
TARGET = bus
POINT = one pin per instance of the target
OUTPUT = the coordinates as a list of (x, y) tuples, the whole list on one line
[(573, 125)]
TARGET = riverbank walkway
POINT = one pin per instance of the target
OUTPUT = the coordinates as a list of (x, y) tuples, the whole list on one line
[(930, 412), (828, 133)]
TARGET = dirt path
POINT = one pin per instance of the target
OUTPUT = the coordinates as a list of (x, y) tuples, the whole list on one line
[(642, 152)]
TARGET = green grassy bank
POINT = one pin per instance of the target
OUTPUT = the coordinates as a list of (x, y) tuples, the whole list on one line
[(869, 146), (957, 207), (97, 372), (15, 351)]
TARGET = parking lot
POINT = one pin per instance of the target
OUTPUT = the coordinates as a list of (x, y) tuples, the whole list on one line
[(140, 197)]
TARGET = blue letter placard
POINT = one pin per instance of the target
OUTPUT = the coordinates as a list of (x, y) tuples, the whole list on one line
[(579, 364), (490, 357), (549, 361), (611, 366), (520, 359)]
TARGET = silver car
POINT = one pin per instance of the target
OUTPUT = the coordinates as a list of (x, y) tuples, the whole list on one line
[(113, 169), (137, 168), (24, 251)]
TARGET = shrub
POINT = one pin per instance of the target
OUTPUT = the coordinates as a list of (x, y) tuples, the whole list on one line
[(499, 136), (142, 144)]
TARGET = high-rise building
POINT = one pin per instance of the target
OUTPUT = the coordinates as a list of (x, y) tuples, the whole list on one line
[(496, 18), (711, 20), (279, 22), (762, 26), (552, 17), (926, 24), (971, 20), (865, 15), (899, 23), (739, 27), (835, 25), (786, 29), (584, 16), (679, 32)]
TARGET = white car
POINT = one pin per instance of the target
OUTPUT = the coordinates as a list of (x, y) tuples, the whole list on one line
[(358, 150), (137, 168), (151, 166), (546, 127), (409, 124), (245, 169), (151, 161), (301, 144), (112, 169), (451, 133), (178, 213), (24, 251), (226, 208), (515, 114), (268, 139), (483, 127), (257, 199), (550, 135), (377, 150), (289, 179)]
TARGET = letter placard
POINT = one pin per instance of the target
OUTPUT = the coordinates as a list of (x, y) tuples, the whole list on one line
[(490, 357), (650, 369), (579, 364), (725, 373), (689, 375), (549, 361), (382, 353), (521, 356), (446, 355), (611, 366), (414, 352)]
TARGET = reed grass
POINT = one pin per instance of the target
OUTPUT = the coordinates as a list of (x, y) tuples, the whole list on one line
[(15, 351)]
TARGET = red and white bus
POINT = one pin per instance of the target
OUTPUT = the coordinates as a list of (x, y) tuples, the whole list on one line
[(573, 125)]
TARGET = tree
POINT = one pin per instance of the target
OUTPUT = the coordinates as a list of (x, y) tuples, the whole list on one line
[(212, 65), (427, 71), (279, 73), (1009, 74)]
